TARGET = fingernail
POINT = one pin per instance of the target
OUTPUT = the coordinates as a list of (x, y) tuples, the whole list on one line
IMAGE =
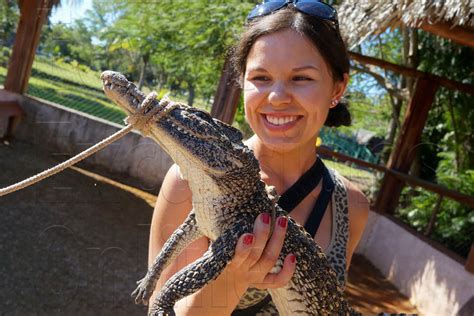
[(292, 259), (266, 218), (248, 239), (282, 222)]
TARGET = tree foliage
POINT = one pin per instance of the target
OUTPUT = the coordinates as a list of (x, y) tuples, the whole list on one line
[(179, 44), (8, 20), (446, 149)]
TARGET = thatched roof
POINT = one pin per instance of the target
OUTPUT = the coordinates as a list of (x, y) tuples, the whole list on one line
[(361, 18)]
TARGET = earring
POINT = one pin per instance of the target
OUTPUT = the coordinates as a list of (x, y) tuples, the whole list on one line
[(334, 102)]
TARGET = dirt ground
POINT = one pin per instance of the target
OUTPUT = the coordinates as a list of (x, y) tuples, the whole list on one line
[(76, 243)]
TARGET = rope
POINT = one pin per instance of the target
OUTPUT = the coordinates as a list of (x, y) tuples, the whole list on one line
[(81, 156), (140, 120)]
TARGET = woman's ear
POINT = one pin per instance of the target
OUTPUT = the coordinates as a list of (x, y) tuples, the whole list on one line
[(340, 87)]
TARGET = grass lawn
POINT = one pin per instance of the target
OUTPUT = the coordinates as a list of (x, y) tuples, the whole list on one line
[(72, 87), (348, 171), (77, 88)]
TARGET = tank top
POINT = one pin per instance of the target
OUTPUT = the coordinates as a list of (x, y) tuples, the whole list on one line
[(258, 302)]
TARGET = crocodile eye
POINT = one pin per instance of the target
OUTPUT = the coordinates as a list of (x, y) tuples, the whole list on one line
[(202, 115)]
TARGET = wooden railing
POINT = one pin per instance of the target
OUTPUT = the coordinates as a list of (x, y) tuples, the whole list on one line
[(413, 181)]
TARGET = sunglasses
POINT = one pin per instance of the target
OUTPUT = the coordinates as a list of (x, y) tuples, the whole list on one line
[(314, 8)]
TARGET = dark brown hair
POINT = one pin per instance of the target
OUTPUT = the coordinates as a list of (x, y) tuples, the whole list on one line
[(320, 32)]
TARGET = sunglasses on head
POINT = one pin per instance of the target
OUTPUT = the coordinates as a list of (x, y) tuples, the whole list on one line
[(314, 8)]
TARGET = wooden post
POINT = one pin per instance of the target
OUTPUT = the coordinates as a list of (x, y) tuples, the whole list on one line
[(227, 96), (469, 266), (33, 14), (410, 134)]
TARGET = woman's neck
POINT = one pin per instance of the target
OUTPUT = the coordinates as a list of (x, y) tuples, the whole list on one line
[(282, 168)]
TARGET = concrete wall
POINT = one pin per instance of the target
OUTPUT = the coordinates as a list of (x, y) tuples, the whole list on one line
[(435, 283), (65, 132)]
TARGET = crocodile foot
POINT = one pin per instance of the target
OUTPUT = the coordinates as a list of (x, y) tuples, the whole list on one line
[(143, 291)]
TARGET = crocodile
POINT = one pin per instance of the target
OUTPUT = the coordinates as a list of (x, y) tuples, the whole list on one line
[(227, 195)]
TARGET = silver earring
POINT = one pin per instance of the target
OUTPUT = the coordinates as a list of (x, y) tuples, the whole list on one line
[(334, 102)]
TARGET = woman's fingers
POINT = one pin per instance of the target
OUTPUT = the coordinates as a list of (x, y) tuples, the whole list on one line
[(273, 248), (261, 231), (269, 256), (258, 253), (242, 250), (279, 279)]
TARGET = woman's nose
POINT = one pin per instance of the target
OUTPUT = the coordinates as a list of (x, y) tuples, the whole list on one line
[(279, 94)]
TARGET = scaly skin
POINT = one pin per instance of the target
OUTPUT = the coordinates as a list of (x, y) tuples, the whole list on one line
[(228, 195)]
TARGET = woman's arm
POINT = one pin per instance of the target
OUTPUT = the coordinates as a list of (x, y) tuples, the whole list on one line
[(250, 265)]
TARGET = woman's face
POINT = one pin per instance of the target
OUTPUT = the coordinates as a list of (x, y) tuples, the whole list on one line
[(288, 90)]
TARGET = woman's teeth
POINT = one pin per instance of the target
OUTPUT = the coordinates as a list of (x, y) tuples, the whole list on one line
[(280, 120)]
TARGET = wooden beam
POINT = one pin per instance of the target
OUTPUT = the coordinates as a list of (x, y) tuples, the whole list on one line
[(433, 187), (411, 180), (342, 157), (459, 34), (403, 153), (33, 14), (410, 72), (227, 95)]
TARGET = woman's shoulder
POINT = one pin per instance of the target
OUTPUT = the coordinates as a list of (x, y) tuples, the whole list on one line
[(175, 189)]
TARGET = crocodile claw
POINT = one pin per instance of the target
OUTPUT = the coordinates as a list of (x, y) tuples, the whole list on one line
[(143, 291)]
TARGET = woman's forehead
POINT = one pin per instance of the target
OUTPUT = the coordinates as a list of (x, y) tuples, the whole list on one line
[(284, 48)]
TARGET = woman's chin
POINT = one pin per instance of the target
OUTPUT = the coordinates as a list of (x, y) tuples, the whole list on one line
[(283, 144)]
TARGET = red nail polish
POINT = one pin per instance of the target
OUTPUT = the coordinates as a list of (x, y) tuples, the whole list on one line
[(248, 239), (292, 259), (266, 218), (282, 222)]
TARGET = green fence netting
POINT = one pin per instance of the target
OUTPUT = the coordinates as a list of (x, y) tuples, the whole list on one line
[(73, 86)]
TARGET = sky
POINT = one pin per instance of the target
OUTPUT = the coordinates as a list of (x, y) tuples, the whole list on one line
[(67, 12)]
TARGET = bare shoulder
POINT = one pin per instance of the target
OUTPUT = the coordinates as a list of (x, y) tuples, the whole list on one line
[(174, 189), (359, 207)]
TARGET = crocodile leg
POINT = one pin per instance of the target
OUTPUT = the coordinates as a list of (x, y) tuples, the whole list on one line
[(196, 275), (180, 239)]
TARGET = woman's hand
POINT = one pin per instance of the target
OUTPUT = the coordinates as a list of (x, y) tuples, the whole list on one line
[(256, 255)]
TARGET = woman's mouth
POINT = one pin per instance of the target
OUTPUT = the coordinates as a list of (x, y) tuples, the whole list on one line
[(280, 122)]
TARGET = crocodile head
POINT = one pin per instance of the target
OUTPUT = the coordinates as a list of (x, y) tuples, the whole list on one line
[(190, 136)]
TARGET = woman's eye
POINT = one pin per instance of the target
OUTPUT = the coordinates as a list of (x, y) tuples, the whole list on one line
[(260, 78), (301, 78)]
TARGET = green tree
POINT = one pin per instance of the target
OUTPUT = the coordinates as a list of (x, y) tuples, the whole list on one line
[(183, 42), (70, 42), (9, 13)]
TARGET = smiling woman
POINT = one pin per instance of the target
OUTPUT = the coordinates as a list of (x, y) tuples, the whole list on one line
[(287, 106), (293, 67)]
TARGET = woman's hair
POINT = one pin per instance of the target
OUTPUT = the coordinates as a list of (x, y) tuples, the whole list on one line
[(321, 33)]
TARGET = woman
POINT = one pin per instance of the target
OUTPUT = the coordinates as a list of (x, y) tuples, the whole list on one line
[(293, 68)]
